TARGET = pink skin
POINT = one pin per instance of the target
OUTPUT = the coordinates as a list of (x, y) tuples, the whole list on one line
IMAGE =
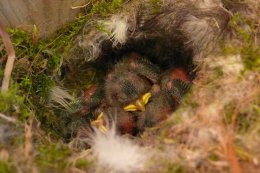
[(179, 73), (89, 92), (126, 124), (155, 89), (132, 59)]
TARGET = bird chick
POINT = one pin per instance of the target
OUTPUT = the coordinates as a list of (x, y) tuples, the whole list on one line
[(157, 110), (175, 83), (134, 96), (129, 83)]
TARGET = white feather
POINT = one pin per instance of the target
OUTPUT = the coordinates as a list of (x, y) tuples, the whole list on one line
[(117, 28), (92, 47), (117, 153), (60, 98), (208, 3)]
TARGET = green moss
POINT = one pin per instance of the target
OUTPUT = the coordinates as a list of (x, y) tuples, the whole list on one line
[(246, 32), (104, 7), (238, 23), (38, 64), (12, 103), (103, 29), (213, 157), (6, 167), (251, 56), (178, 119), (23, 43), (156, 5), (218, 72), (189, 100), (26, 82), (176, 167), (244, 120), (52, 157), (41, 87), (83, 164)]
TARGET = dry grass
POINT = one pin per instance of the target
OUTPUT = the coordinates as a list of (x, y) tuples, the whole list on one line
[(203, 139)]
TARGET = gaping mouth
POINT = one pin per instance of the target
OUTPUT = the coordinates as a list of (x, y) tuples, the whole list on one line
[(99, 123)]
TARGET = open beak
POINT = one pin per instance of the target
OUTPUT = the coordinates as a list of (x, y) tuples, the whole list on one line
[(99, 123), (139, 104)]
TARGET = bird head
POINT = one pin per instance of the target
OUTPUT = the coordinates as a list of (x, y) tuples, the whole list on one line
[(124, 88), (176, 83)]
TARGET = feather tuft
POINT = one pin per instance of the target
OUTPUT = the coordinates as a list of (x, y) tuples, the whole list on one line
[(117, 153), (60, 98), (117, 28)]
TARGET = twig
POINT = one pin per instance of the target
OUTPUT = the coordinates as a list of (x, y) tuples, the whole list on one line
[(80, 6), (9, 119), (229, 150), (10, 60), (28, 140)]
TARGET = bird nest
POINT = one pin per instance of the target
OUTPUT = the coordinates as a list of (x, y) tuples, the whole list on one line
[(160, 49), (129, 59)]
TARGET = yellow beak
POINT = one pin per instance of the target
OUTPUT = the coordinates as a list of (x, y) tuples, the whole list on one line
[(139, 104), (100, 123)]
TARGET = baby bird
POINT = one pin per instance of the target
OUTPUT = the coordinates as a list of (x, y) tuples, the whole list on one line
[(127, 88), (128, 85), (134, 96), (175, 83)]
